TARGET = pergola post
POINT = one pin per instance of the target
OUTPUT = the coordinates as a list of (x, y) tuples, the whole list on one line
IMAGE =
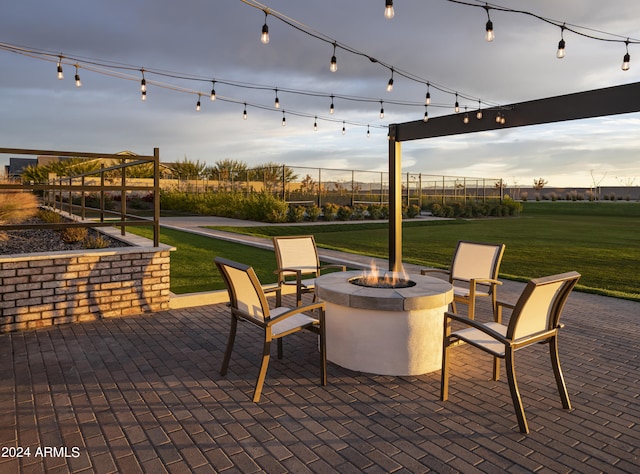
[(395, 202)]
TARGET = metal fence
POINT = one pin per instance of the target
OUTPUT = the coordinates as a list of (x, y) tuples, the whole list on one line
[(84, 195), (305, 185)]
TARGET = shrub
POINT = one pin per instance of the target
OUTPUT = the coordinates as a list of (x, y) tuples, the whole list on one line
[(17, 206), (384, 212), (95, 242), (358, 212), (374, 211), (413, 210), (330, 212), (72, 235), (295, 213), (313, 213), (50, 217), (344, 213)]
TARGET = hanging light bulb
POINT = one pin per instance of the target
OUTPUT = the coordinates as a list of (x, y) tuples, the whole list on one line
[(276, 104), (561, 44), (143, 82), (465, 120), (490, 35), (344, 130), (498, 117), (143, 97), (427, 99), (426, 115), (381, 110), (627, 57), (60, 74), (456, 106), (78, 82), (244, 113), (315, 124), (390, 83), (213, 91), (198, 104), (503, 120), (265, 30), (368, 132), (389, 13), (333, 67), (284, 120), (479, 112), (331, 108)]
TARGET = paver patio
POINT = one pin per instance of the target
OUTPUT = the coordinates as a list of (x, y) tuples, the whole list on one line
[(143, 394)]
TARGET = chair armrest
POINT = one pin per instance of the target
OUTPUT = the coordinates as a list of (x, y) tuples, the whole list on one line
[(477, 325), (297, 310), (297, 271), (424, 271), (336, 267), (485, 281)]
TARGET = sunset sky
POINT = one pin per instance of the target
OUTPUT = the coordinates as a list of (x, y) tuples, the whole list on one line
[(438, 41)]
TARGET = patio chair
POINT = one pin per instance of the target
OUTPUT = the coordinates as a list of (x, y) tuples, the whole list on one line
[(534, 319), (473, 274), (297, 256), (248, 302)]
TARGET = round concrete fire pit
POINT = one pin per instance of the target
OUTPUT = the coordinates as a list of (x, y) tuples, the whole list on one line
[(385, 331)]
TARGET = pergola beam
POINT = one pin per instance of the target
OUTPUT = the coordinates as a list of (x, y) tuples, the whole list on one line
[(581, 105)]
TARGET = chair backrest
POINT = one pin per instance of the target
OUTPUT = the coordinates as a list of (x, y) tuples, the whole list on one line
[(476, 260), (243, 286), (297, 251), (540, 304)]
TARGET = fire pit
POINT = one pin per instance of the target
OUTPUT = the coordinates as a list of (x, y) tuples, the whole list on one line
[(385, 326)]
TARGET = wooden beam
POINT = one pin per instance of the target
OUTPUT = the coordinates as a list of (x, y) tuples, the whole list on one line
[(594, 103)]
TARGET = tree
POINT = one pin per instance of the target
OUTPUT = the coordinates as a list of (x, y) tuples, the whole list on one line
[(187, 169), (273, 174), (538, 184)]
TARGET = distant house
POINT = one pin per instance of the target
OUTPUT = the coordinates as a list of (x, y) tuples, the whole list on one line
[(16, 165)]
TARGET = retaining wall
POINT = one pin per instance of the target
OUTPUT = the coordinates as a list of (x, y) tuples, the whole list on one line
[(38, 290)]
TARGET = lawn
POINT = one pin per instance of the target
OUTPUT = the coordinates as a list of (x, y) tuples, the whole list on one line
[(599, 240)]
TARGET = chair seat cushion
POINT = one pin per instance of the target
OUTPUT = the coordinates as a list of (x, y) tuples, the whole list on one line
[(286, 325), (483, 341)]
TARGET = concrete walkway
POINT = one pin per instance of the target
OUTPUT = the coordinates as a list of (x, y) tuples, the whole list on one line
[(144, 394)]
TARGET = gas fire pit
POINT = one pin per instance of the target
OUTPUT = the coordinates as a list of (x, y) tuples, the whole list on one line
[(387, 324)]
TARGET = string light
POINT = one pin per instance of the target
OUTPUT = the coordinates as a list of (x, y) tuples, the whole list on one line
[(390, 83), (498, 117), (143, 82), (344, 130), (198, 104), (368, 132), (143, 97), (465, 120), (381, 110), (60, 74), (284, 120), (331, 108), (627, 57), (479, 112), (213, 91), (490, 35), (333, 66), (78, 82), (315, 123), (276, 104), (244, 113), (426, 115), (389, 12), (264, 37), (427, 99), (561, 44), (456, 106)]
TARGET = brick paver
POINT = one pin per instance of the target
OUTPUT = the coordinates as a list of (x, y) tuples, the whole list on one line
[(143, 394)]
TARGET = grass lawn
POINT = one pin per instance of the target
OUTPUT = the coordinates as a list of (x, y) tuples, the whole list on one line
[(601, 240)]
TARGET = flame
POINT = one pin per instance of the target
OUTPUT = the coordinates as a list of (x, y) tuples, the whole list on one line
[(375, 277)]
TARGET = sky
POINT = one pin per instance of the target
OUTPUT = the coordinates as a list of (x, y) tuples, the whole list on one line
[(438, 41)]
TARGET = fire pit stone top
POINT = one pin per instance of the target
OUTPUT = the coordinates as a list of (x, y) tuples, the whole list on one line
[(428, 292)]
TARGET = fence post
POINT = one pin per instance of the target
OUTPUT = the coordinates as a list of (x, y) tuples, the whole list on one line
[(319, 197), (123, 196), (156, 197)]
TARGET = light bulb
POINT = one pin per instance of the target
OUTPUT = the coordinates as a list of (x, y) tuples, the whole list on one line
[(344, 130), (265, 31), (368, 132), (625, 62), (466, 118), (143, 97), (490, 36), (78, 82), (560, 52), (198, 104), (427, 100), (456, 106), (60, 74), (315, 124), (333, 66), (331, 108), (284, 120), (213, 91), (498, 118), (503, 120), (244, 113), (479, 112), (276, 104), (381, 110), (426, 115), (390, 84), (143, 83), (389, 13)]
